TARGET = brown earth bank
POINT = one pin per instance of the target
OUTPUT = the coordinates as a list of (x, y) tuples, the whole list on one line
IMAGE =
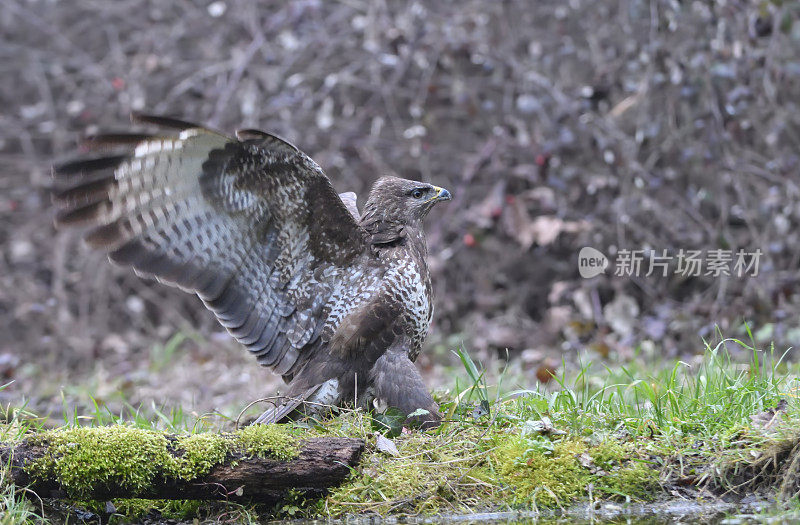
[(617, 125), (745, 486)]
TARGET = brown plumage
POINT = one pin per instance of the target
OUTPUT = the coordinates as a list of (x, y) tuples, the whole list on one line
[(336, 302)]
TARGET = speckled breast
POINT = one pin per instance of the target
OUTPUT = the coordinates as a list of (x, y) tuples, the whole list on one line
[(411, 286)]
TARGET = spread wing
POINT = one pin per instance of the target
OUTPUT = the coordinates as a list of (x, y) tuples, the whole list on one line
[(252, 225)]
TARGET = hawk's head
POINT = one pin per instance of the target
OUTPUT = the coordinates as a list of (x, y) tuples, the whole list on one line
[(403, 201)]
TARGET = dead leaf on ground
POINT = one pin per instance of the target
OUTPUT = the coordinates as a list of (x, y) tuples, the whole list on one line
[(542, 230), (481, 409), (485, 212), (586, 460), (769, 419), (547, 370), (542, 426), (386, 445), (622, 314)]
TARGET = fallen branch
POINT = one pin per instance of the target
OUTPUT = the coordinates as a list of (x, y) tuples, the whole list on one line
[(48, 467)]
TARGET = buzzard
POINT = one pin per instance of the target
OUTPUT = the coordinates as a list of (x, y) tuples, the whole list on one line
[(336, 302)]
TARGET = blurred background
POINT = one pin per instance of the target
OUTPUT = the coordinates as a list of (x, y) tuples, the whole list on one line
[(638, 125)]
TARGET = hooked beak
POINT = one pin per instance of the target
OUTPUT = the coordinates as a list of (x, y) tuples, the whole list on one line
[(441, 194)]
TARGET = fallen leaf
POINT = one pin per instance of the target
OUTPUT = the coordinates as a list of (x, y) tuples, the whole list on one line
[(587, 462), (485, 212), (386, 445), (480, 410), (542, 230), (542, 426), (546, 371), (622, 314), (770, 418)]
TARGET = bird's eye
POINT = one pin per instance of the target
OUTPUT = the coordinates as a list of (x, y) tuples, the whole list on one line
[(418, 193)]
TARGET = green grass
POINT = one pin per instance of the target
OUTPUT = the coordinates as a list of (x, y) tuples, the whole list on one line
[(598, 431), (716, 395), (15, 504), (626, 432)]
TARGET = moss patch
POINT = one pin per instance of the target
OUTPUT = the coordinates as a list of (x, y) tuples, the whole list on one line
[(468, 468), (567, 472), (434, 473), (83, 458), (200, 453), (267, 440), (462, 468)]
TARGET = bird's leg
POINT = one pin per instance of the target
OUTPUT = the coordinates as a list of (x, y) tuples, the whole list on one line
[(397, 383)]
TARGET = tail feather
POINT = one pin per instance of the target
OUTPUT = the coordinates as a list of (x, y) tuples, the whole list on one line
[(288, 405)]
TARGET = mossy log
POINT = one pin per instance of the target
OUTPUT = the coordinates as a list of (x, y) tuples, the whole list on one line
[(39, 464)]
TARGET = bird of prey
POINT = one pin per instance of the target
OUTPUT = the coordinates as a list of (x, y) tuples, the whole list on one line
[(335, 301)]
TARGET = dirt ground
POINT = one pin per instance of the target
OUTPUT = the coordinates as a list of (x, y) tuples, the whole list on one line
[(640, 125)]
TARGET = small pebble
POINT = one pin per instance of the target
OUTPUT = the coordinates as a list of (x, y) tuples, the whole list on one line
[(217, 9)]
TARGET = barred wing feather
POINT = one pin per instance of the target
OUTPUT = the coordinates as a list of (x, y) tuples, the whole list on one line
[(253, 226)]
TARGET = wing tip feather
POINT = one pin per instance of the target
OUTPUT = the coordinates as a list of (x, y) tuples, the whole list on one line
[(82, 214), (162, 121), (110, 140), (83, 166), (265, 137), (89, 191), (108, 236)]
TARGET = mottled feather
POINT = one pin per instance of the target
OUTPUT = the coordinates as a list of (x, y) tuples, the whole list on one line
[(252, 225)]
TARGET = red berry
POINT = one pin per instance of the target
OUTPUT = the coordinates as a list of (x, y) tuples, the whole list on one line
[(469, 240)]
